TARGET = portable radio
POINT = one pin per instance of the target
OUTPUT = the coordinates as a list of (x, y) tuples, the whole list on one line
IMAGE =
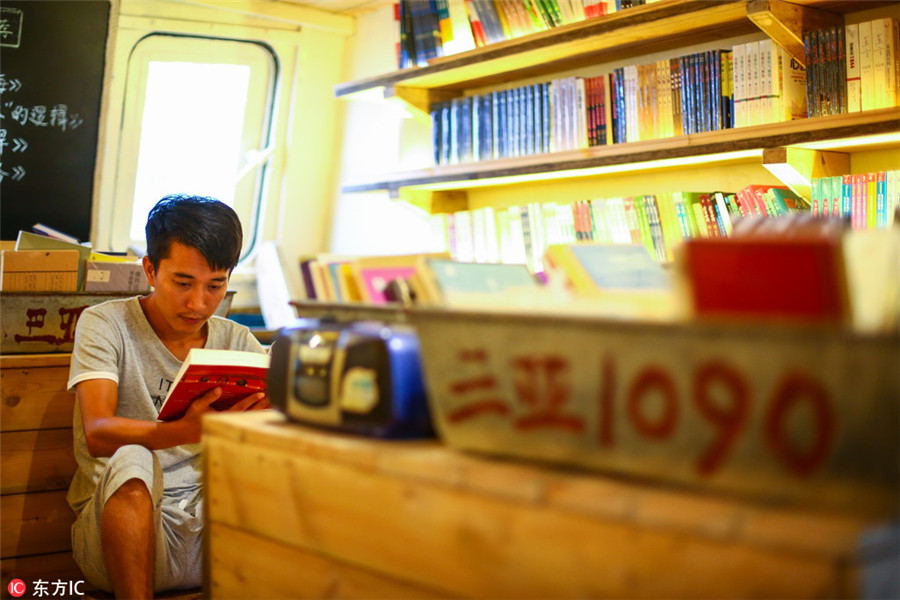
[(364, 377)]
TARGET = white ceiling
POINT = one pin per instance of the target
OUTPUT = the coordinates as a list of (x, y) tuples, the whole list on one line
[(346, 7)]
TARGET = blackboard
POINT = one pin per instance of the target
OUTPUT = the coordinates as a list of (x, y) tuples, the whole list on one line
[(52, 56)]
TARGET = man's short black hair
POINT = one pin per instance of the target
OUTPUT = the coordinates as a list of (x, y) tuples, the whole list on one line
[(200, 222)]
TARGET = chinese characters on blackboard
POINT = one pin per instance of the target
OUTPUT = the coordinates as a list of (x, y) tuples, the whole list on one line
[(55, 116), (51, 83), (10, 27)]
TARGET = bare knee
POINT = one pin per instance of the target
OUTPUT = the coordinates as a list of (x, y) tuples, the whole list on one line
[(133, 493)]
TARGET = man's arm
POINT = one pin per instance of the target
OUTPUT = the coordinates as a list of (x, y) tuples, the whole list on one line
[(105, 432)]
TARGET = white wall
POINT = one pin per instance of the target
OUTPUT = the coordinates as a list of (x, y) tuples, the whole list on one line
[(378, 137)]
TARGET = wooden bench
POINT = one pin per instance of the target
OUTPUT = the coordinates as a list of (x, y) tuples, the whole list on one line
[(37, 461)]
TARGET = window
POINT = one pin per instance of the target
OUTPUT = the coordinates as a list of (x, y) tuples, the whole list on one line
[(196, 120)]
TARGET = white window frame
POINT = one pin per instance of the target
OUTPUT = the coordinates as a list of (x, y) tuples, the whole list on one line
[(126, 32), (161, 46)]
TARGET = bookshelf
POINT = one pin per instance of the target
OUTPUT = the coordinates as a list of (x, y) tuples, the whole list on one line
[(866, 130), (659, 27), (665, 25)]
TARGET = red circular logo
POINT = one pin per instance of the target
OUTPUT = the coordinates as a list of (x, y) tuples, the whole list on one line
[(16, 588)]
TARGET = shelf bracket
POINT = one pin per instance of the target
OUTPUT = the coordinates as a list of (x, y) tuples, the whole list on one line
[(434, 201), (797, 167), (420, 99), (786, 23)]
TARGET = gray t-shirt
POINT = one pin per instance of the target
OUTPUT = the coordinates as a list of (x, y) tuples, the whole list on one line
[(115, 341)]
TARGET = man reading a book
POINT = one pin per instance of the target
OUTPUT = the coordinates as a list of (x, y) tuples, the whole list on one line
[(137, 492)]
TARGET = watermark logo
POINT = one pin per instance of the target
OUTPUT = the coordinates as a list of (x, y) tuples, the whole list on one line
[(42, 589), (17, 588)]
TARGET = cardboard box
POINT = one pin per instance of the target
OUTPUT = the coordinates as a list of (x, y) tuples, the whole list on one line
[(39, 270), (33, 241), (106, 276)]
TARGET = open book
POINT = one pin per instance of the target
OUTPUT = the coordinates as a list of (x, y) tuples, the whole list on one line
[(238, 373)]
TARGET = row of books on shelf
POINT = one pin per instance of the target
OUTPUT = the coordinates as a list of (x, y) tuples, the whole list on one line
[(428, 29), (868, 200), (751, 84), (793, 267), (667, 98), (437, 278), (852, 67), (658, 222), (688, 94)]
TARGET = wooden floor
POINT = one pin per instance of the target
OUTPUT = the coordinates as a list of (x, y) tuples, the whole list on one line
[(193, 594)]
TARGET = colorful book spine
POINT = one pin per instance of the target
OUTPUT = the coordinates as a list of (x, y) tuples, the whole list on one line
[(846, 197), (654, 223), (871, 195), (866, 66)]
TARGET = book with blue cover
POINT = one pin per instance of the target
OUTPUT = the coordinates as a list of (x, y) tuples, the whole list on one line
[(444, 279), (593, 268)]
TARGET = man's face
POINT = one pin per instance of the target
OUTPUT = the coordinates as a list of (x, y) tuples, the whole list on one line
[(187, 292)]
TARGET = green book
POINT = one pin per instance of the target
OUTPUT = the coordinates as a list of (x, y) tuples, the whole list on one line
[(697, 222), (640, 210)]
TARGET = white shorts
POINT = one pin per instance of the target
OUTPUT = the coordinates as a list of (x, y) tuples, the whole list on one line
[(177, 514)]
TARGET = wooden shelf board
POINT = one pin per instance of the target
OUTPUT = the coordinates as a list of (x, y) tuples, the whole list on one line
[(27, 361), (580, 162), (650, 28)]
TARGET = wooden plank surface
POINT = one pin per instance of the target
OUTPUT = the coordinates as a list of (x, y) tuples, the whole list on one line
[(36, 460), (34, 397), (241, 562), (35, 523), (490, 528), (22, 361)]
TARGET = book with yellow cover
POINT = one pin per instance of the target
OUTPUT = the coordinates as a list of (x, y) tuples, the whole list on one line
[(591, 269)]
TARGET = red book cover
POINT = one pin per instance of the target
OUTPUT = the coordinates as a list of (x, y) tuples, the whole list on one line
[(797, 278), (758, 193), (709, 213), (578, 220), (859, 211), (746, 204), (475, 23), (238, 373)]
